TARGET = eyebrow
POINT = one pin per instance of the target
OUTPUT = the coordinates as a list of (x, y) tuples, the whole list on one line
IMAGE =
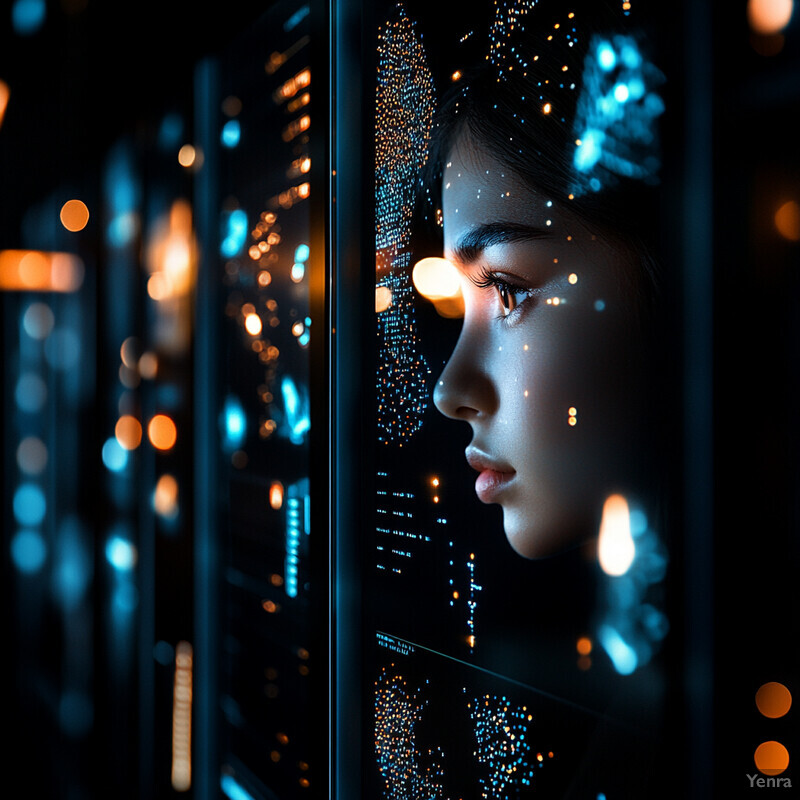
[(470, 246)]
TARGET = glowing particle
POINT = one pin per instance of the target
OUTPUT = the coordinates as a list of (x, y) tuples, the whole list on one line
[(573, 278)]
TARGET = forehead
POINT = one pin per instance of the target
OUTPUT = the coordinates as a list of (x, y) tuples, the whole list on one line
[(478, 189)]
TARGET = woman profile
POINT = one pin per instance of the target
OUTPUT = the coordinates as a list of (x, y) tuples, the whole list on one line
[(542, 165)]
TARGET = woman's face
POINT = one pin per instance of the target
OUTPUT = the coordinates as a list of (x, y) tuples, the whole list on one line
[(541, 370)]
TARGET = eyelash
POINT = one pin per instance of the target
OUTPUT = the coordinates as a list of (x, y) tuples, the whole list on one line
[(486, 279)]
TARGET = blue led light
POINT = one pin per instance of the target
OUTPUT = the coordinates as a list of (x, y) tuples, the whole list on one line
[(28, 551), (27, 16), (302, 253), (296, 409), (615, 117), (622, 655), (30, 505), (231, 133), (115, 456), (588, 152), (120, 553), (233, 789), (606, 57), (234, 233), (234, 423), (296, 18), (30, 393)]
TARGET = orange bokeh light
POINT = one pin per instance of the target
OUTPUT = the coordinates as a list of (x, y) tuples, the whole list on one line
[(74, 215), (128, 431), (771, 758), (773, 700), (162, 432)]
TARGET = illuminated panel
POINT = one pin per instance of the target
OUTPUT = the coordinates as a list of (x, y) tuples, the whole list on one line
[(404, 112), (263, 132)]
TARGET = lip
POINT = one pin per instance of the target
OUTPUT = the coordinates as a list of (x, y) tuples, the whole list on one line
[(495, 475)]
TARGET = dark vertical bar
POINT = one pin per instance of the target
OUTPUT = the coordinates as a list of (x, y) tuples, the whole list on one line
[(698, 224), (351, 314), (205, 756)]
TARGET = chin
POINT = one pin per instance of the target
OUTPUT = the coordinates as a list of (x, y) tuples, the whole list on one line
[(539, 538)]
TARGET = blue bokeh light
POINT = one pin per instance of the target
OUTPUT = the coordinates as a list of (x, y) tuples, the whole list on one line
[(28, 551), (30, 505)]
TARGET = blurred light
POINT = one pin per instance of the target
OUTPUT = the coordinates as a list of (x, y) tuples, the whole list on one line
[(296, 410), (231, 133), (63, 349), (787, 221), (170, 255), (162, 432), (584, 646), (187, 155), (181, 774), (32, 270), (30, 393), (128, 431), (773, 700), (235, 423), (72, 563), (231, 106), (27, 16), (276, 495), (28, 551), (438, 280), (622, 655), (252, 324), (129, 352), (232, 789), (771, 758), (302, 253), (75, 713), (121, 553), (165, 497), (32, 455), (74, 215), (170, 132), (4, 95), (606, 57), (38, 321), (115, 456), (148, 365), (29, 505), (298, 271), (235, 233), (769, 16), (383, 298), (615, 547)]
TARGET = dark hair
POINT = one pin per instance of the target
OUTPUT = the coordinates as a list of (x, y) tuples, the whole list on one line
[(522, 104)]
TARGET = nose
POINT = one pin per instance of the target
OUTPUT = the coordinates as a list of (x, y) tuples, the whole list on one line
[(465, 390)]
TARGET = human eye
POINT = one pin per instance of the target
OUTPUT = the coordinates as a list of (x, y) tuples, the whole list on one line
[(513, 296)]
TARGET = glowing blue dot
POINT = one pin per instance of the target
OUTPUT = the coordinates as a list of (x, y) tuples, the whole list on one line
[(231, 133), (631, 57), (601, 796), (606, 56), (302, 253), (636, 88), (588, 152), (27, 16), (115, 456), (29, 504), (235, 233), (621, 92), (235, 423), (121, 554), (622, 655), (28, 551)]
